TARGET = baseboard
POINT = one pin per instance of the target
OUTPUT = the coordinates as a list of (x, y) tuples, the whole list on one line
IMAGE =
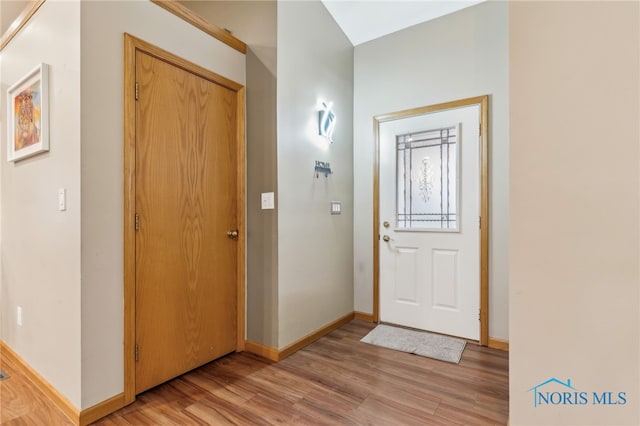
[(503, 345), (363, 317), (102, 409), (310, 338), (42, 384), (261, 350), (275, 355)]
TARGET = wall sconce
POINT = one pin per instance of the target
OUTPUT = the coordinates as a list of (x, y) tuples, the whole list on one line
[(326, 121)]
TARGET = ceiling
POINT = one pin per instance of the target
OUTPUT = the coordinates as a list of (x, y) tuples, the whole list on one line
[(364, 20)]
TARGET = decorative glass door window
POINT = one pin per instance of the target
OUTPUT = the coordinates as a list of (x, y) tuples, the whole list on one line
[(428, 179)]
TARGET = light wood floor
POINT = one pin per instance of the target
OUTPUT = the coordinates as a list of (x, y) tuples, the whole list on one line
[(21, 403), (336, 380)]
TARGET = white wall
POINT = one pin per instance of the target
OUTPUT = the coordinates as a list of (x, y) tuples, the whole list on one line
[(103, 26), (461, 55), (574, 205), (315, 260), (41, 245)]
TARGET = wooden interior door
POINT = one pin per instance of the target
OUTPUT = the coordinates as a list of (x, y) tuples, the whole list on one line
[(186, 204)]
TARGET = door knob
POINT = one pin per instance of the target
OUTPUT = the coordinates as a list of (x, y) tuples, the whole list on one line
[(385, 224), (386, 238), (233, 234)]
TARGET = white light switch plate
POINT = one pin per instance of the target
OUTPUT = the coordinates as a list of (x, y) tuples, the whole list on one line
[(268, 201), (336, 207), (62, 199)]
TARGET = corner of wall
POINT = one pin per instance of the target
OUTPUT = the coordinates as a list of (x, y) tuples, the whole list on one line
[(40, 248), (315, 248)]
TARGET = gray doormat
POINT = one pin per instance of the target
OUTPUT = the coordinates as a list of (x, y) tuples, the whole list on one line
[(421, 343)]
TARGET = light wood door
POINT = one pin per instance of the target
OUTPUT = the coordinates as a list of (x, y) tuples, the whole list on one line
[(186, 202), (429, 213)]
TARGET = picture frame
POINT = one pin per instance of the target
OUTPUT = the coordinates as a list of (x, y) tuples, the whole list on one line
[(28, 115)]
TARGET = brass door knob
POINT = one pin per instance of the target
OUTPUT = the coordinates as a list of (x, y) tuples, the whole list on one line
[(233, 234), (386, 238)]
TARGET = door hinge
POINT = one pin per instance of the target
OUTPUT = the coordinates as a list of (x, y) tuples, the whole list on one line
[(137, 225), (479, 125), (137, 91), (480, 222), (137, 352), (479, 312)]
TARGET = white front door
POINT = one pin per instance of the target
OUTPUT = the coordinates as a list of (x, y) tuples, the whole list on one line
[(429, 178)]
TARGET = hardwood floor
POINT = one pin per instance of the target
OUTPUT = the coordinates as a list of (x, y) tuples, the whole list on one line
[(21, 403), (336, 380)]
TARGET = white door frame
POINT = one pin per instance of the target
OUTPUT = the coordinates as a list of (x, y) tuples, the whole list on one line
[(483, 102)]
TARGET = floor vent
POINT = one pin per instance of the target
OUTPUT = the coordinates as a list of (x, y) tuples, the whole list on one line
[(3, 375)]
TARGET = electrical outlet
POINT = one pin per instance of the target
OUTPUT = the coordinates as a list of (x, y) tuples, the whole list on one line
[(19, 316)]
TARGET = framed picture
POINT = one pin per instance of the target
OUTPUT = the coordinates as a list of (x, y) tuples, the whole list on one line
[(28, 115)]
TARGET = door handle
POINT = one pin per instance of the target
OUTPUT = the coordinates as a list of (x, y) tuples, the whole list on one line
[(386, 238), (233, 234)]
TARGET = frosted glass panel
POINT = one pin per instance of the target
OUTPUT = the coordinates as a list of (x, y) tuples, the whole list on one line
[(428, 179)]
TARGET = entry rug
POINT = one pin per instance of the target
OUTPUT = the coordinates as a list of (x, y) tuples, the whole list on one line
[(421, 343)]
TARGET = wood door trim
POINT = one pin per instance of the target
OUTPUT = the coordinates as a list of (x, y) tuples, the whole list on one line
[(483, 101), (183, 12), (362, 316), (131, 45), (241, 215), (500, 344), (129, 217), (484, 220)]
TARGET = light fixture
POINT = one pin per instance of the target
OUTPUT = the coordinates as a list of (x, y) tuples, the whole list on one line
[(326, 121)]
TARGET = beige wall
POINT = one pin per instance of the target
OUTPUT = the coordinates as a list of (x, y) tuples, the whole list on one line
[(41, 245), (262, 225), (574, 208), (103, 26), (254, 22), (65, 268), (315, 249), (299, 257), (9, 11), (461, 55)]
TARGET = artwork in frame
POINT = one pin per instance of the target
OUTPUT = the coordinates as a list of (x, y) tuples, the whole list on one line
[(28, 115)]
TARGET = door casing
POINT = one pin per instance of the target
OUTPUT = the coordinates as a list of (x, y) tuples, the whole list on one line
[(131, 45), (483, 102)]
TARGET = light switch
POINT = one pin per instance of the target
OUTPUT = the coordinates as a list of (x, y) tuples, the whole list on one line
[(62, 199), (336, 207), (268, 202)]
